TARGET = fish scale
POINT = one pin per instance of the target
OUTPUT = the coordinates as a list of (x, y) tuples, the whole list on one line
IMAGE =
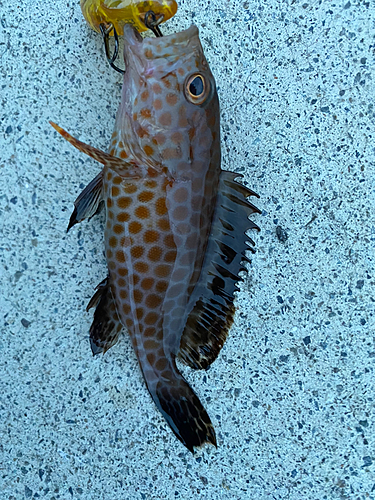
[(172, 250)]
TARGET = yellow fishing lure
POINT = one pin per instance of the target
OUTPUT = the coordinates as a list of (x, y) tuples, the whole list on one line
[(120, 12)]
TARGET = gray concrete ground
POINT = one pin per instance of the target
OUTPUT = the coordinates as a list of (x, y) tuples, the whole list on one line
[(292, 393)]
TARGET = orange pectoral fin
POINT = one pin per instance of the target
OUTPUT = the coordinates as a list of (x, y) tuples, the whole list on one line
[(128, 168)]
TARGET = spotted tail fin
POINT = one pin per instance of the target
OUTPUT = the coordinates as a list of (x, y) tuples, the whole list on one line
[(182, 409)]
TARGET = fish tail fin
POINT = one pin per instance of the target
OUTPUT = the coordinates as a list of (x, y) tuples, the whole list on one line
[(184, 412)]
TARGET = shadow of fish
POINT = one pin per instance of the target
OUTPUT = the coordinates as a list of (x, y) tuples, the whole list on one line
[(175, 224)]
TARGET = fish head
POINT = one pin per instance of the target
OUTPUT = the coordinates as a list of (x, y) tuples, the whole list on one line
[(170, 112)]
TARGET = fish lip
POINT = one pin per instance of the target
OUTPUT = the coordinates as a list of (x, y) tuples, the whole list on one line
[(133, 38), (132, 35)]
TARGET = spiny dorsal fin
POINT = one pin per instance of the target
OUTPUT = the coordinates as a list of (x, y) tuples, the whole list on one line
[(106, 327), (211, 303), (88, 202)]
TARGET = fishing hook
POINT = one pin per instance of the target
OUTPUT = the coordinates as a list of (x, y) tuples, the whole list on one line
[(152, 22), (105, 29)]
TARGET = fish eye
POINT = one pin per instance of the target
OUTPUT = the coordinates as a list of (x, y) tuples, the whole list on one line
[(197, 88)]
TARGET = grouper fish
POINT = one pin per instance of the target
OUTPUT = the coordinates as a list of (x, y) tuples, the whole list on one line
[(175, 224)]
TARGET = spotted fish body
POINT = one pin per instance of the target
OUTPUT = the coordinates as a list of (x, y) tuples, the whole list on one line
[(174, 224)]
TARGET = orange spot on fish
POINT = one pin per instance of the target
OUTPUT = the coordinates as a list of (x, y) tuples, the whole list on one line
[(138, 296), (159, 139), (137, 252), (142, 212), (118, 229), (180, 213), (151, 172), (171, 99), (124, 202), (135, 227), (123, 154), (154, 254), (141, 132), (150, 184), (150, 345), (130, 188), (148, 150), (109, 202), (171, 153), (122, 271), (161, 364), (126, 308), (169, 241), (160, 206), (165, 119), (141, 267), (153, 301), (151, 318), (157, 104), (145, 113), (166, 82), (112, 242), (117, 180), (147, 283), (156, 88), (164, 225), (123, 294), (161, 286), (145, 95), (170, 256), (145, 196), (162, 271), (115, 191), (123, 217), (181, 71), (148, 53), (120, 257), (149, 331), (177, 137), (150, 236)]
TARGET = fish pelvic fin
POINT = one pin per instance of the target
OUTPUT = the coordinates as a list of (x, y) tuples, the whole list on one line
[(184, 412), (106, 326), (89, 202)]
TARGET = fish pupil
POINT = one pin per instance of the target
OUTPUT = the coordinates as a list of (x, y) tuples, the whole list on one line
[(196, 87)]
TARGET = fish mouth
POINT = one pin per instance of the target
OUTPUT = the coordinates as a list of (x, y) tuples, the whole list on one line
[(182, 38)]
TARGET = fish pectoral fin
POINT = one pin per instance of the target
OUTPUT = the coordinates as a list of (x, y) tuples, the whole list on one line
[(210, 308), (106, 326), (89, 202), (127, 168)]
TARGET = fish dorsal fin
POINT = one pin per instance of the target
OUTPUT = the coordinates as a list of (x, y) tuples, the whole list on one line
[(210, 307), (106, 326), (88, 202)]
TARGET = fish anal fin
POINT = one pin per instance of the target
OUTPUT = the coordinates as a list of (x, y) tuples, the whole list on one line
[(210, 309), (88, 202), (106, 326)]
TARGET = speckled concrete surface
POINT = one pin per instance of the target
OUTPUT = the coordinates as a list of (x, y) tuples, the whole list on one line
[(292, 393)]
